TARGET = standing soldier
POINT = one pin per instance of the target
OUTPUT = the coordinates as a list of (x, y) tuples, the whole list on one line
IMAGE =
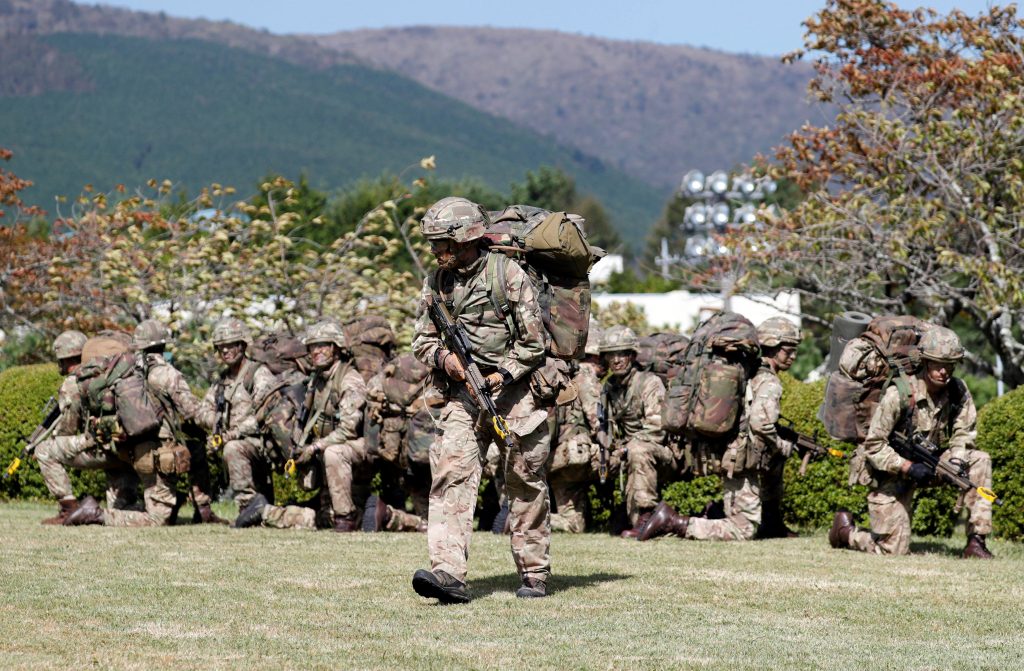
[(161, 456), (753, 462), (454, 228), (328, 431), (228, 409), (633, 400), (70, 446), (573, 461), (938, 407)]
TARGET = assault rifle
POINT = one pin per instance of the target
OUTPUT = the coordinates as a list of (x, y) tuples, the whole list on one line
[(458, 343), (604, 439), (302, 427), (222, 408), (808, 446), (51, 411), (917, 448)]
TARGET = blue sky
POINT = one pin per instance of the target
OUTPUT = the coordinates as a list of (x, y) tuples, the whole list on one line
[(766, 27)]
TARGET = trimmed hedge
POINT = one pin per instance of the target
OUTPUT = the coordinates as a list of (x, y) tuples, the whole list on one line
[(1001, 434)]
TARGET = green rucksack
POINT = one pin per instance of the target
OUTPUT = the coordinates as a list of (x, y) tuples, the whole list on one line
[(114, 385), (707, 395), (663, 354), (552, 248)]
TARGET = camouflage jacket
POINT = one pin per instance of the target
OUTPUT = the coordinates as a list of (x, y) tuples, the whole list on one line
[(467, 293), (931, 417), (336, 408), (69, 401), (580, 416), (169, 385), (242, 395), (633, 404), (764, 401)]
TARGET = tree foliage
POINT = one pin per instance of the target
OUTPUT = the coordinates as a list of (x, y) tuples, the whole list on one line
[(916, 187)]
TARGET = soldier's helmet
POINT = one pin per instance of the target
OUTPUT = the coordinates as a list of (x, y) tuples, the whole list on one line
[(326, 331), (941, 344), (455, 219), (594, 335), (778, 331), (231, 330), (150, 333), (69, 344), (619, 338)]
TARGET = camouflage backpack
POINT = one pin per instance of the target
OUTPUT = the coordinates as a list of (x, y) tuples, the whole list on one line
[(553, 250), (885, 353), (399, 427), (113, 385), (371, 341), (662, 354), (706, 396), (277, 351)]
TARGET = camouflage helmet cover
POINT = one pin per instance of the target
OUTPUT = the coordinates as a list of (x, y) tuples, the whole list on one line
[(69, 344), (778, 331), (594, 335), (231, 330), (941, 344), (454, 219), (150, 333), (619, 338), (325, 331)]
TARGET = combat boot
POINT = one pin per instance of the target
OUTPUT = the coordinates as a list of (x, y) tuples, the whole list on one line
[(421, 526), (65, 508), (252, 513), (532, 589), (346, 523), (640, 522), (662, 522), (377, 515), (439, 585), (205, 515), (89, 512), (976, 548), (842, 527)]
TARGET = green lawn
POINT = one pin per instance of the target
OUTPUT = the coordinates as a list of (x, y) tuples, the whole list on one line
[(212, 597)]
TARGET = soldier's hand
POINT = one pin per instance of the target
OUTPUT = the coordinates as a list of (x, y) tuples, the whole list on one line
[(494, 382), (453, 367), (307, 453), (920, 473)]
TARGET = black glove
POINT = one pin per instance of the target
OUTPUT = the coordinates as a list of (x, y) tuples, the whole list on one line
[(920, 473)]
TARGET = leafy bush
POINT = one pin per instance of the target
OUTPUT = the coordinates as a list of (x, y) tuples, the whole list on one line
[(23, 393), (1001, 434)]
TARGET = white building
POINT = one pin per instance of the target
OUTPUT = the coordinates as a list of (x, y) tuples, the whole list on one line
[(683, 310)]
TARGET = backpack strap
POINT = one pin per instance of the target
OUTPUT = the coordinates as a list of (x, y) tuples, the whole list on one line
[(497, 280)]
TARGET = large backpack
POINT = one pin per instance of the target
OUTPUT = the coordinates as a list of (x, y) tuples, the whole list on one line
[(885, 353), (552, 248), (403, 425), (706, 396), (371, 341), (112, 384), (662, 354), (277, 351)]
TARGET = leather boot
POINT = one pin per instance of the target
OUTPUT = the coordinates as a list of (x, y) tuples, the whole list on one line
[(662, 522), (439, 585), (89, 512), (65, 508), (377, 515), (640, 522), (532, 589), (252, 514), (842, 527), (346, 523), (976, 548), (205, 515)]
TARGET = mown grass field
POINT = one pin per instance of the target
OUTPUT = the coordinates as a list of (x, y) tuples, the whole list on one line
[(211, 597)]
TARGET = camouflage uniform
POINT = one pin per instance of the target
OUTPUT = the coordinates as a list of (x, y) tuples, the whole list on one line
[(572, 464), (456, 461)]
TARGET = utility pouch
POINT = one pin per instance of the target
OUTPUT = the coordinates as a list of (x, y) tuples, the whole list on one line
[(172, 459)]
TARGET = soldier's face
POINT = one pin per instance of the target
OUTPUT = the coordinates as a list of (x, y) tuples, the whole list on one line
[(620, 362), (937, 374), (321, 354), (69, 365), (784, 357), (230, 353), (452, 255)]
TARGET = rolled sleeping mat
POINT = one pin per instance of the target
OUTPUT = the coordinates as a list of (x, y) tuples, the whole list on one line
[(845, 327)]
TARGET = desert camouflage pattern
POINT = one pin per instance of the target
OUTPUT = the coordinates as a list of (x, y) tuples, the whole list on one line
[(371, 341), (572, 466), (289, 517), (776, 331), (662, 354), (634, 404), (454, 219), (69, 344), (941, 344), (890, 495), (755, 448), (231, 330), (243, 447), (742, 497), (150, 333)]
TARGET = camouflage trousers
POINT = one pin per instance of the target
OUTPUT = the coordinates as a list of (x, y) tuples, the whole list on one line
[(244, 458), (890, 508), (645, 461), (569, 488), (59, 453), (403, 521), (742, 498), (456, 464), (159, 493), (289, 517), (341, 462)]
